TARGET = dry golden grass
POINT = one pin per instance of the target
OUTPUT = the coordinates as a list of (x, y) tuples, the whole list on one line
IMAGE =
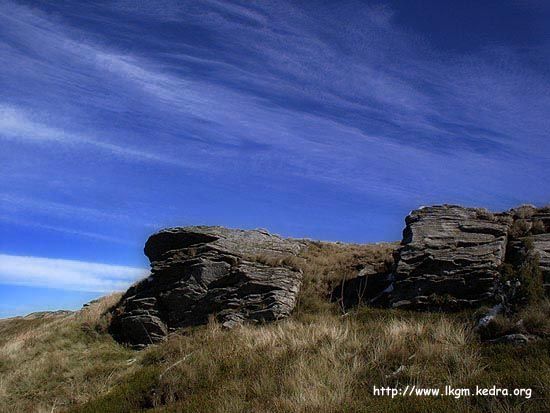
[(49, 363), (331, 262), (93, 313), (318, 360), (278, 261), (283, 367), (326, 264), (410, 345), (533, 320), (326, 364)]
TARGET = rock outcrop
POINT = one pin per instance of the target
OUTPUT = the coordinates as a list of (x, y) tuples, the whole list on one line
[(202, 272), (535, 244), (450, 258), (538, 236), (541, 246)]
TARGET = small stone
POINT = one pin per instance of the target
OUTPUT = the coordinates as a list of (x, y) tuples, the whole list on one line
[(514, 339)]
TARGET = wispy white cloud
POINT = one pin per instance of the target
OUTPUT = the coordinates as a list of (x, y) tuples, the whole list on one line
[(11, 202), (15, 124), (66, 274), (266, 92), (65, 230)]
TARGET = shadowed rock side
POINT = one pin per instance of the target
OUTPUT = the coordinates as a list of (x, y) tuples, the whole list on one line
[(198, 272), (449, 258), (540, 246), (540, 228), (366, 288), (369, 286)]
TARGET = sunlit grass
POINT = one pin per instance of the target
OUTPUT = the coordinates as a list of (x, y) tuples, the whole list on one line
[(319, 360)]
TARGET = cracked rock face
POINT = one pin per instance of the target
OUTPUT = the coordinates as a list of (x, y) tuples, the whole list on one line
[(199, 272), (538, 223), (449, 258), (541, 247), (541, 243)]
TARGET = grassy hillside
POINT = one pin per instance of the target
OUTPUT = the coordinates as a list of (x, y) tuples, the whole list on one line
[(322, 359)]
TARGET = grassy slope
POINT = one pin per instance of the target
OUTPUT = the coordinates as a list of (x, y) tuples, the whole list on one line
[(318, 360)]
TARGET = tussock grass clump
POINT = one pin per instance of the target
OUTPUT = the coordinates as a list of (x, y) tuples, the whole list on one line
[(289, 261), (536, 319), (427, 350), (525, 277), (524, 211), (95, 317), (533, 319), (520, 228), (286, 366)]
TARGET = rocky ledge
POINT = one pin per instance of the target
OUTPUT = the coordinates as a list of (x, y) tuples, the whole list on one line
[(541, 246), (450, 258), (200, 272)]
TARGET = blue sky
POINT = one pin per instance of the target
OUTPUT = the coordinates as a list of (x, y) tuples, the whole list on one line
[(320, 119)]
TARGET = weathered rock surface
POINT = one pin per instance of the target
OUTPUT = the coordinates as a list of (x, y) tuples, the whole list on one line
[(535, 241), (542, 215), (449, 258), (199, 272), (541, 246)]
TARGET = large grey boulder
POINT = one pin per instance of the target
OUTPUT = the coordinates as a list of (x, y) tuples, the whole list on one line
[(201, 272), (449, 258)]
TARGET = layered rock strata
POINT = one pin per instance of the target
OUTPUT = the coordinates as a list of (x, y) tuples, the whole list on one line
[(450, 258), (201, 272)]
